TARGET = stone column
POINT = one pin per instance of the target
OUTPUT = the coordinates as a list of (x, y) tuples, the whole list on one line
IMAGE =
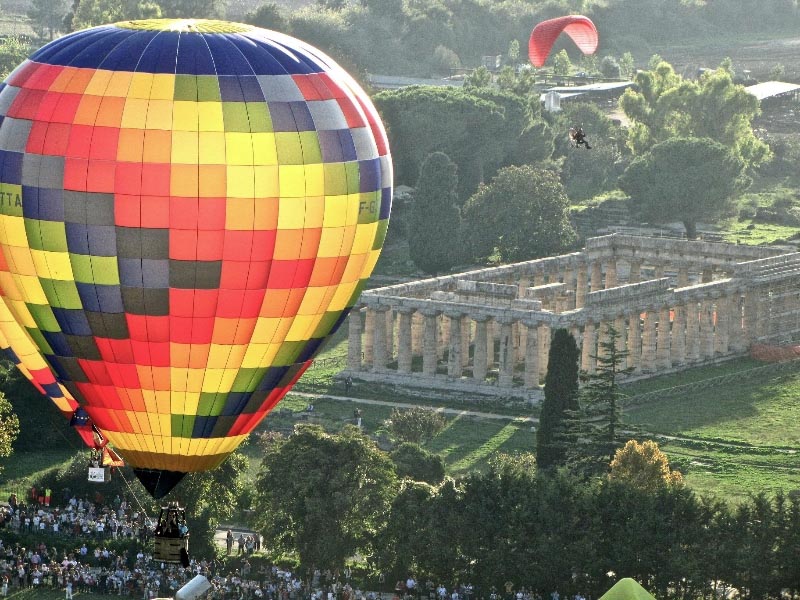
[(636, 271), (543, 336), (622, 335), (692, 332), (490, 335), (678, 343), (648, 363), (683, 276), (611, 273), (602, 338), (454, 353), (721, 338), (659, 271), (634, 341), (443, 335), (479, 361), (430, 344), (417, 333), (736, 331), (379, 356), (663, 358), (354, 340), (706, 329), (580, 286), (404, 352), (708, 275), (597, 276), (538, 278), (750, 316), (369, 334), (466, 336), (588, 351), (532, 356), (506, 377), (389, 335)]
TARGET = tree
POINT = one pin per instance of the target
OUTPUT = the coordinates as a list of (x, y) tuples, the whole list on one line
[(663, 105), (414, 462), (47, 17), (421, 120), (9, 428), (643, 466), (478, 78), (193, 9), (403, 546), (269, 16), (561, 63), (434, 238), (560, 397), (609, 67), (415, 425), (686, 179), (602, 394), (323, 496), (522, 214), (13, 51), (627, 66), (212, 497), (88, 13)]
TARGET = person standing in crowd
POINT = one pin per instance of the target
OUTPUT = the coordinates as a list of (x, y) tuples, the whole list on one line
[(229, 542)]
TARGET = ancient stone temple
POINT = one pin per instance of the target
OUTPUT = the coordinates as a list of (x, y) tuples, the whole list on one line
[(675, 303)]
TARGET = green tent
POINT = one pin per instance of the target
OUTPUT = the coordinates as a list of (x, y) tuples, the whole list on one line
[(627, 589)]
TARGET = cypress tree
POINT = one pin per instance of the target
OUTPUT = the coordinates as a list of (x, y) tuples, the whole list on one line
[(435, 234), (560, 401)]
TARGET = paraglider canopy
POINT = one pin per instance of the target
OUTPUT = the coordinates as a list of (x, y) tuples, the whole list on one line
[(579, 28)]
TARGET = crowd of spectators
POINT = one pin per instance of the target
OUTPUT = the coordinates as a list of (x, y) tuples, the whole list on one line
[(88, 559), (80, 546)]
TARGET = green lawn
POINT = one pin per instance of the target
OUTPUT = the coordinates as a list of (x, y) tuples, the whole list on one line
[(19, 470), (737, 438)]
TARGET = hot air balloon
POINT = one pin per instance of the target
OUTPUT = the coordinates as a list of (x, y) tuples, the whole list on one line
[(579, 28), (188, 209)]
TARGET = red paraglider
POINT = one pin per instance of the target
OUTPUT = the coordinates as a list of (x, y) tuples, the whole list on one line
[(579, 28)]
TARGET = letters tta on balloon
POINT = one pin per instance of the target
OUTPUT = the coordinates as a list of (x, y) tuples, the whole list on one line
[(189, 208), (579, 28)]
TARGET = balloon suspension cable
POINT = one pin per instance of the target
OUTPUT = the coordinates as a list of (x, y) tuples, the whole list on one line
[(134, 495)]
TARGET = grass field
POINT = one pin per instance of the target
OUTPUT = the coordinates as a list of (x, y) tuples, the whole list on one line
[(734, 439)]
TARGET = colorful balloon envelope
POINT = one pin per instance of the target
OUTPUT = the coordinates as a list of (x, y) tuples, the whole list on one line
[(579, 28), (188, 209)]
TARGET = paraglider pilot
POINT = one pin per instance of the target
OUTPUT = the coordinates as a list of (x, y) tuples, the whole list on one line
[(578, 136)]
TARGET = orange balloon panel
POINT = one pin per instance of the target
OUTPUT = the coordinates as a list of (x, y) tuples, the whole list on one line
[(187, 210)]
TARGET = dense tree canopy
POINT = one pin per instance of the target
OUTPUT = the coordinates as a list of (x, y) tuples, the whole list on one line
[(13, 51), (435, 229), (468, 128), (520, 215), (665, 105), (47, 17), (9, 428), (684, 179), (324, 496)]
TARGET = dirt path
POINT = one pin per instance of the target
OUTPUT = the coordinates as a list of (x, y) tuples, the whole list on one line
[(448, 411)]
